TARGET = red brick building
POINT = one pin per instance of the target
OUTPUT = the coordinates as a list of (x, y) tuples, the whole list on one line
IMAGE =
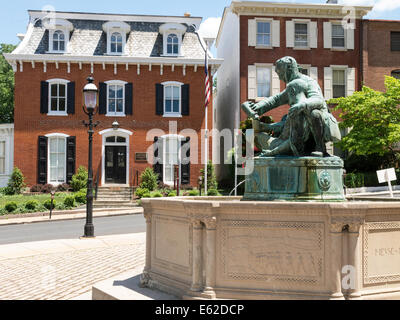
[(381, 52), (254, 35), (150, 75)]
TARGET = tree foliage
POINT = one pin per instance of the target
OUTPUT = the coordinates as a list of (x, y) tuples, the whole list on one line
[(6, 86), (374, 119)]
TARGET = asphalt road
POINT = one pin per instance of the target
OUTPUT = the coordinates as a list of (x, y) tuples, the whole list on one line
[(71, 229)]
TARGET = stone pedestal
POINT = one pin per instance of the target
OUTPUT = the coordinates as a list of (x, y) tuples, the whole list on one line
[(295, 179)]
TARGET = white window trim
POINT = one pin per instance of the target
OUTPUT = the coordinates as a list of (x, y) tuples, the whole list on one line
[(173, 114), (264, 65), (164, 139), (306, 67), (5, 158), (259, 46), (51, 43), (58, 113), (172, 28), (109, 133), (120, 27), (345, 69), (119, 83), (56, 135), (302, 21), (66, 27), (344, 48)]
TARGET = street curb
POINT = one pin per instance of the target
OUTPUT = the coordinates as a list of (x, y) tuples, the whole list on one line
[(71, 216)]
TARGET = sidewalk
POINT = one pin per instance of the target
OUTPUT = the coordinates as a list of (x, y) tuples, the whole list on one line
[(70, 215), (66, 269)]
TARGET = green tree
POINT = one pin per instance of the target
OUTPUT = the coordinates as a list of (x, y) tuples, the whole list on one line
[(16, 182), (6, 86), (211, 177), (374, 119)]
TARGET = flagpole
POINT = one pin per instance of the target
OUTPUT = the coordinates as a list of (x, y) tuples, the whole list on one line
[(206, 139)]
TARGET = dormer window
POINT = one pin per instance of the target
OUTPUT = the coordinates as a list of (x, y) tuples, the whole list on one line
[(116, 36), (172, 38), (59, 36)]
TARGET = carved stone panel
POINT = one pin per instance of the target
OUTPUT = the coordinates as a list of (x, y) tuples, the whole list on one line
[(288, 252), (381, 252)]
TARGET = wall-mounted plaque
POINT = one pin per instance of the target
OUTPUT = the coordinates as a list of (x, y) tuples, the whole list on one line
[(141, 157)]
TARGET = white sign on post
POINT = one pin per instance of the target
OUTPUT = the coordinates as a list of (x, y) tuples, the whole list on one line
[(387, 175)]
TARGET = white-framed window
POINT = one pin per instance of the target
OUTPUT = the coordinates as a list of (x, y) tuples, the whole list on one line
[(59, 35), (339, 83), (304, 70), (58, 94), (57, 158), (301, 34), (58, 41), (172, 38), (116, 98), (263, 33), (172, 44), (338, 36), (263, 82), (171, 157), (116, 43), (172, 99), (116, 37), (2, 157)]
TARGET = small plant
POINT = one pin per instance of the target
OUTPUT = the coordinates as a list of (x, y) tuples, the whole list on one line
[(80, 179), (69, 202), (213, 193), (146, 195), (194, 193), (63, 187), (36, 188), (47, 204), (47, 188), (11, 207), (31, 205), (149, 179), (156, 194), (172, 194), (211, 177), (80, 197), (16, 183), (141, 191)]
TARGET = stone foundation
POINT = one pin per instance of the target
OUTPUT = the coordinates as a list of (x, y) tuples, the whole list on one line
[(224, 248)]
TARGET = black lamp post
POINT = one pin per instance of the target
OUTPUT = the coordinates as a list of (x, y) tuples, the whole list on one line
[(90, 102)]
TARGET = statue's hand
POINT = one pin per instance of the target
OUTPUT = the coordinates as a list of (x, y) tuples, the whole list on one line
[(296, 109), (257, 108)]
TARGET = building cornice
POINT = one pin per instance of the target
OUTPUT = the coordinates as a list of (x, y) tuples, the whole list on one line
[(281, 9)]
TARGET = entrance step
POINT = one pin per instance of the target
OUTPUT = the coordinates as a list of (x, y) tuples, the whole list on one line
[(114, 197)]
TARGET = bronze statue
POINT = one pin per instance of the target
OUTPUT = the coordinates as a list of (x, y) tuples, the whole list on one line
[(309, 124)]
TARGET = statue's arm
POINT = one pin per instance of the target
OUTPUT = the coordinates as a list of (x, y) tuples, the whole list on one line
[(271, 103), (315, 99)]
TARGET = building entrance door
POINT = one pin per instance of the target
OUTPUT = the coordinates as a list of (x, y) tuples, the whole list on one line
[(115, 165)]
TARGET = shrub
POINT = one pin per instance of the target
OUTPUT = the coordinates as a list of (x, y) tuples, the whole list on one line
[(11, 206), (63, 187), (31, 205), (79, 180), (147, 195), (47, 204), (194, 193), (69, 202), (16, 183), (47, 188), (149, 179), (141, 191), (213, 193), (211, 177), (36, 188), (172, 194), (80, 197), (156, 194)]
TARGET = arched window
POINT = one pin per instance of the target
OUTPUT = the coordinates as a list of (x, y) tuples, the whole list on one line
[(58, 41), (116, 43), (396, 74), (172, 44)]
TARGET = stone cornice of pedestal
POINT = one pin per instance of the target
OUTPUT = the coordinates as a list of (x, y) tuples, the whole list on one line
[(302, 161)]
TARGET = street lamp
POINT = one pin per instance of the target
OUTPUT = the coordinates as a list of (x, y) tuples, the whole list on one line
[(90, 92)]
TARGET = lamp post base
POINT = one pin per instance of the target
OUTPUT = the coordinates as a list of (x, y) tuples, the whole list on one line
[(89, 231)]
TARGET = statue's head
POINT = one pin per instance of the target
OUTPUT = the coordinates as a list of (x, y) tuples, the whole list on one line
[(287, 69)]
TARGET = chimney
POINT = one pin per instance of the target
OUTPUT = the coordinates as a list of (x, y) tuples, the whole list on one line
[(187, 15), (332, 1)]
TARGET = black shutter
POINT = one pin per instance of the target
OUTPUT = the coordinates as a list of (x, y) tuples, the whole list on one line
[(158, 166), (129, 99), (44, 97), (71, 98), (42, 160), (395, 41), (102, 98), (71, 156), (159, 99), (185, 158), (185, 100)]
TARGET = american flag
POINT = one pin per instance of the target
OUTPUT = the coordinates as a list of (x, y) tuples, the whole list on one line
[(207, 83)]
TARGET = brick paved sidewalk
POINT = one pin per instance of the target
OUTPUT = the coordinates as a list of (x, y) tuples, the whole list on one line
[(64, 269)]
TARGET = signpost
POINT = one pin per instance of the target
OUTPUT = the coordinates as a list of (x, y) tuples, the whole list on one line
[(387, 175)]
